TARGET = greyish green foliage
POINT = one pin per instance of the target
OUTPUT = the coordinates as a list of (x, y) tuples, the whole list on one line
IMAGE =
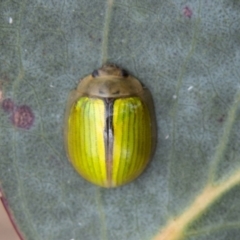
[(190, 64)]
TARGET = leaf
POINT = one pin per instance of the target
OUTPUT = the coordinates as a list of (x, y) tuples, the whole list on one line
[(188, 56)]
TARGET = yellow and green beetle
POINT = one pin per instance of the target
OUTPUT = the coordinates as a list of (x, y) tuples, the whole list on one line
[(110, 127)]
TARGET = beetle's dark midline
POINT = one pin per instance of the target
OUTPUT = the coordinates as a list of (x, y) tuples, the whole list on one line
[(108, 136)]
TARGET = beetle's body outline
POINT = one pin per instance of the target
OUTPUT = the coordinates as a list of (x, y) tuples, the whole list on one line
[(106, 143)]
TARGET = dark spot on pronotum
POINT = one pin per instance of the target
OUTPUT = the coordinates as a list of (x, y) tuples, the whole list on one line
[(95, 73), (8, 105), (187, 12), (22, 117), (117, 92), (124, 73)]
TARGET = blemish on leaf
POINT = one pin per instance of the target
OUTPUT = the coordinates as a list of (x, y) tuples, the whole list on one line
[(221, 119), (22, 117), (187, 12), (10, 20), (8, 105)]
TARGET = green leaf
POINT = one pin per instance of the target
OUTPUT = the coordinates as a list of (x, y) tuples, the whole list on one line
[(187, 54)]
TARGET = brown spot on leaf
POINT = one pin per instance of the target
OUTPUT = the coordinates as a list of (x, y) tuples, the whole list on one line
[(187, 12), (8, 105), (221, 119), (22, 117)]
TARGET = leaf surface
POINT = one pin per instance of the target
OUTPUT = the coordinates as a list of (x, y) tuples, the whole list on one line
[(188, 55)]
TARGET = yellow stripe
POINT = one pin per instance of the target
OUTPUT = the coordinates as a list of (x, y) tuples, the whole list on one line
[(132, 139), (86, 139)]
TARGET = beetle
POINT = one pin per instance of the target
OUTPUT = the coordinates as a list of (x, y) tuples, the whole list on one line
[(110, 127)]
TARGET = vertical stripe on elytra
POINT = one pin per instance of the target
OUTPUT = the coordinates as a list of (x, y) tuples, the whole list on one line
[(95, 149), (76, 134), (95, 155), (108, 137), (125, 152), (85, 140), (82, 134), (85, 154), (91, 135), (99, 140), (134, 136), (141, 127), (136, 125), (100, 124), (117, 141), (129, 132), (125, 134)]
